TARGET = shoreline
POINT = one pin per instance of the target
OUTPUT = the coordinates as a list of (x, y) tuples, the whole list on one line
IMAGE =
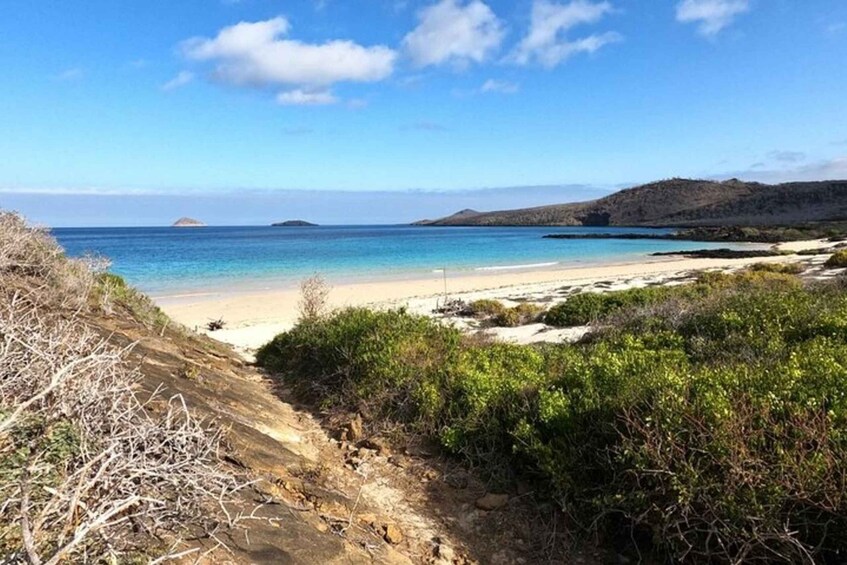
[(262, 284), (254, 318)]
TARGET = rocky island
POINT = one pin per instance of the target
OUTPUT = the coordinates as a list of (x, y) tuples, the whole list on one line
[(188, 223), (294, 224)]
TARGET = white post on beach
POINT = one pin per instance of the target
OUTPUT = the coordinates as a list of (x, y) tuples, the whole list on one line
[(444, 272)]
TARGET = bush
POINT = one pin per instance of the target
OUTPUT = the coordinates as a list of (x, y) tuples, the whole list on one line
[(710, 420), (373, 361), (520, 315), (837, 261), (784, 268), (314, 298), (112, 292), (587, 308), (485, 308)]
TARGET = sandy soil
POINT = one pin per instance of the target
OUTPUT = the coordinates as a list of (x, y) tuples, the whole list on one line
[(252, 319)]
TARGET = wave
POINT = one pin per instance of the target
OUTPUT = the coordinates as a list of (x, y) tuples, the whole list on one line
[(186, 295), (516, 267)]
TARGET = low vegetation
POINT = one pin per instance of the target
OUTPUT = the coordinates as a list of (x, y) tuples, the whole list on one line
[(498, 314), (112, 292), (703, 422), (520, 315), (838, 260), (91, 469), (485, 308), (784, 268)]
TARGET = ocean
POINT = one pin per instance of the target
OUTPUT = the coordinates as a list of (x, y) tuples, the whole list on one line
[(171, 261)]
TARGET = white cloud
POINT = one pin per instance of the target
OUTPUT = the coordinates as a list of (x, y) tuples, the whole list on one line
[(546, 41), (500, 86), (301, 97), (454, 32), (180, 80), (257, 54), (711, 15)]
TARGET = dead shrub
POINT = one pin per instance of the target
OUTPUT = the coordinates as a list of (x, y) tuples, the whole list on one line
[(91, 469), (314, 294)]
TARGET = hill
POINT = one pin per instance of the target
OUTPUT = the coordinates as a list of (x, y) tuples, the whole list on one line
[(188, 223), (681, 203), (294, 224)]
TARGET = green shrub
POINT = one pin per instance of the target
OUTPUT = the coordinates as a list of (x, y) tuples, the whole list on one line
[(838, 260), (587, 308), (711, 419), (368, 360), (578, 310), (113, 291), (489, 392)]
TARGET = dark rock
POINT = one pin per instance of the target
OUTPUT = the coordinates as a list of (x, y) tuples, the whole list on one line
[(375, 444), (492, 501)]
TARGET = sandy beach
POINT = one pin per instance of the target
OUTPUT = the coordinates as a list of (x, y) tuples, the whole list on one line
[(253, 318)]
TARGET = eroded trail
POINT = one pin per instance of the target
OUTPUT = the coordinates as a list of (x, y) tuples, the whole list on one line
[(323, 499)]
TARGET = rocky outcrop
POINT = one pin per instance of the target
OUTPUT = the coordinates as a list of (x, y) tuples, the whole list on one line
[(294, 224), (188, 223)]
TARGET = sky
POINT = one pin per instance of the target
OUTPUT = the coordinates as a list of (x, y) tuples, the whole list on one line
[(381, 111)]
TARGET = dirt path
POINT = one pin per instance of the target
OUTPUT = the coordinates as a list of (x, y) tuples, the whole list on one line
[(321, 499)]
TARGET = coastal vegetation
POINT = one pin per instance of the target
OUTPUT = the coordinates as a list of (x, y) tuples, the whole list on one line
[(784, 268), (838, 260), (496, 313), (702, 422)]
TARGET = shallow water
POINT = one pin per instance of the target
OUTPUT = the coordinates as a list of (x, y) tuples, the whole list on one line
[(188, 260)]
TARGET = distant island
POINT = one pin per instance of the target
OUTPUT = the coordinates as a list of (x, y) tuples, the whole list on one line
[(188, 223), (681, 203), (294, 224)]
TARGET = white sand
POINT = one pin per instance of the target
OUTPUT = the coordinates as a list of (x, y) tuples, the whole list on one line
[(252, 319)]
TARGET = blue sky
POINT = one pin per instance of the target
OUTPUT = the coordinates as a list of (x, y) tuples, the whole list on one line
[(413, 107)]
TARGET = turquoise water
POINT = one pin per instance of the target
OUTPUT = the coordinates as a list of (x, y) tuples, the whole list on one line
[(166, 261)]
